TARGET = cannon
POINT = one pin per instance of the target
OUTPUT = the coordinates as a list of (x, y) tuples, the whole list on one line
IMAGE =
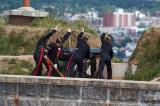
[(94, 53)]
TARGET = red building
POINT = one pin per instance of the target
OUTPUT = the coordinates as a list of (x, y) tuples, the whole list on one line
[(119, 19)]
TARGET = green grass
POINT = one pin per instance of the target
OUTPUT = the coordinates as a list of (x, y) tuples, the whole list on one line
[(17, 67), (149, 63), (50, 22), (116, 60), (2, 21), (16, 43)]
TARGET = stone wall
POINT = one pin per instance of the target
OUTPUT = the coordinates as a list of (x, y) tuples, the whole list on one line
[(47, 91)]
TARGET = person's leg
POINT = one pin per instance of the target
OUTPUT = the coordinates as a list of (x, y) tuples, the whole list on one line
[(80, 68), (49, 68), (109, 69), (38, 56), (70, 68), (93, 66), (101, 68)]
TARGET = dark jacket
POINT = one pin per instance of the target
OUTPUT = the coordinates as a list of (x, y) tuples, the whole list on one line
[(43, 40), (106, 48), (83, 49), (52, 54), (55, 51)]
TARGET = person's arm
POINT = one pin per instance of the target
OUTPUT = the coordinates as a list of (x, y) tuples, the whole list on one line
[(80, 36), (50, 33), (88, 53), (103, 37), (111, 52), (66, 36)]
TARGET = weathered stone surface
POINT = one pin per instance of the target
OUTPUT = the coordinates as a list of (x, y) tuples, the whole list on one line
[(113, 84), (22, 102), (150, 96), (91, 104), (151, 104), (58, 103), (123, 104), (2, 101), (27, 90), (52, 91), (27, 79), (131, 85), (146, 85), (127, 95), (69, 92), (96, 93), (42, 90), (8, 88)]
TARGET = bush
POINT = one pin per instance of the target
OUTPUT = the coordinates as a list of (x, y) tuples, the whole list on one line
[(116, 60), (129, 75)]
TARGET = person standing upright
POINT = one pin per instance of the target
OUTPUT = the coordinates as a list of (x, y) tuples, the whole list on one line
[(56, 49), (41, 52), (81, 52), (105, 56)]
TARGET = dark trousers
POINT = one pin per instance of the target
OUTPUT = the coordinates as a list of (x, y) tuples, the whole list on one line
[(75, 60), (102, 63), (49, 67), (39, 60), (93, 66)]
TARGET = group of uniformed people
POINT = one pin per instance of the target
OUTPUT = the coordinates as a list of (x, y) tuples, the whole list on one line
[(48, 54)]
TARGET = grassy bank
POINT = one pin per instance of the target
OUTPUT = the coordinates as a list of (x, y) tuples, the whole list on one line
[(147, 56)]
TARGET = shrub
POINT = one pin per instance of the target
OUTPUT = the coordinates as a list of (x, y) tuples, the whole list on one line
[(129, 75)]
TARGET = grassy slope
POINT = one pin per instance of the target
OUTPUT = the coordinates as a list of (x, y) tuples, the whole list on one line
[(147, 56)]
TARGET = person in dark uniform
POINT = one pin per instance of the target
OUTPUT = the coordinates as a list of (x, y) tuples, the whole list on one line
[(105, 56), (55, 51), (81, 52), (93, 65), (41, 51)]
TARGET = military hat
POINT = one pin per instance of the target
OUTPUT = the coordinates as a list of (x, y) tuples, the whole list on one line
[(85, 36), (107, 36)]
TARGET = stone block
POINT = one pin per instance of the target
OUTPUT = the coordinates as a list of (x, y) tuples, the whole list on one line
[(22, 102), (2, 101), (42, 90), (131, 85), (27, 79), (97, 82), (150, 96), (27, 90), (8, 88), (123, 104), (95, 93), (127, 95), (112, 84), (58, 103), (89, 103), (65, 92)]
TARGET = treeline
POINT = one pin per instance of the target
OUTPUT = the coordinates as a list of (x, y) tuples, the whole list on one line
[(75, 6)]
